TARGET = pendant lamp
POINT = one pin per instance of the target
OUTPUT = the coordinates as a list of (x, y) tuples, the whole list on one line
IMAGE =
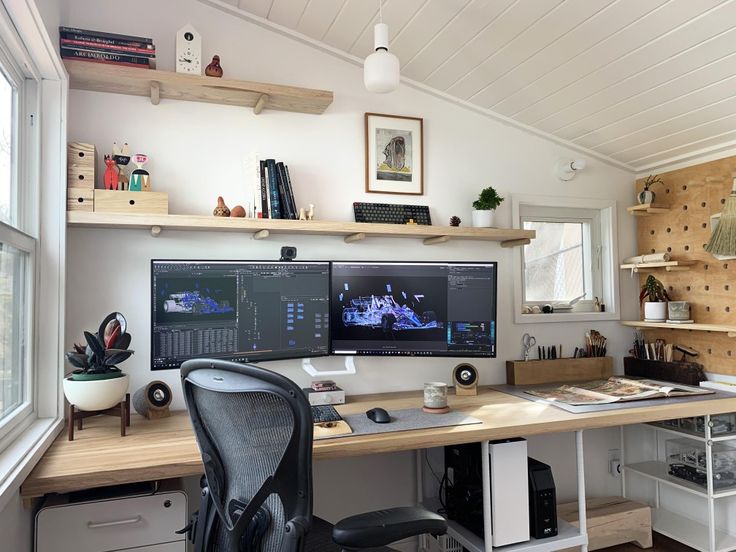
[(381, 70)]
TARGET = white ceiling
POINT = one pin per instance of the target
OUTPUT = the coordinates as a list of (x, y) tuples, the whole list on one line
[(644, 82)]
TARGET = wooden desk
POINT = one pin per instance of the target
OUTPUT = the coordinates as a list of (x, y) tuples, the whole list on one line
[(163, 449)]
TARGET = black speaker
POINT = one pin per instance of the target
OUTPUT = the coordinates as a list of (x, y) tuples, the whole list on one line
[(153, 400), (465, 377), (542, 501)]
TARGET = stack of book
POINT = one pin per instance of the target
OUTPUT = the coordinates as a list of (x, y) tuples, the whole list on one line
[(110, 48), (271, 189)]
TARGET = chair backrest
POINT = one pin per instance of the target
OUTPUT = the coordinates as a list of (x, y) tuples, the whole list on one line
[(254, 431)]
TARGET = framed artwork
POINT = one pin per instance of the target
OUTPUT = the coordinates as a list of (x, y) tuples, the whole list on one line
[(394, 154)]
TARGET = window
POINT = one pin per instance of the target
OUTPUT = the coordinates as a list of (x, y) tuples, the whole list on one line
[(17, 250), (570, 263)]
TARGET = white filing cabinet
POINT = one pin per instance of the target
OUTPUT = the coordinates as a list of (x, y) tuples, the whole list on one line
[(134, 524)]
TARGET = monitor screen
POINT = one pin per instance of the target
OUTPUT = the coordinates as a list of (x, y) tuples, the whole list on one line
[(241, 311), (420, 309)]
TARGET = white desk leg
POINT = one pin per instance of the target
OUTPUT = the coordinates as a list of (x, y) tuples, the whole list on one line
[(581, 488), (423, 544), (486, 469)]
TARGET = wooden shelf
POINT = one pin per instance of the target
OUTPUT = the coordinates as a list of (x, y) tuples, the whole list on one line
[(646, 209), (262, 228), (719, 328), (669, 266), (99, 77)]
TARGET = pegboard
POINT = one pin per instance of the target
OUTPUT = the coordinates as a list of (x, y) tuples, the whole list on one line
[(692, 195)]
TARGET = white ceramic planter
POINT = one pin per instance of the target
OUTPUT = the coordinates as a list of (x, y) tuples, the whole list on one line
[(655, 312), (482, 219), (95, 394)]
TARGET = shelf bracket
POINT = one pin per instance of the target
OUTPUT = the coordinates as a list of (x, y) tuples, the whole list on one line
[(261, 235), (676, 268), (436, 240), (260, 104), (312, 371), (155, 231), (514, 243), (360, 236), (155, 92), (731, 334)]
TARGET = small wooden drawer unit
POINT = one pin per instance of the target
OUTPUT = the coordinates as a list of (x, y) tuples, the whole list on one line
[(80, 199), (80, 165), (147, 523), (118, 201)]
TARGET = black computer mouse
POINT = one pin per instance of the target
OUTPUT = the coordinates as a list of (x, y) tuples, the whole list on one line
[(378, 415)]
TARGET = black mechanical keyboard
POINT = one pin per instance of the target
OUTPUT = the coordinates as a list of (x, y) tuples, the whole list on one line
[(387, 213), (325, 413)]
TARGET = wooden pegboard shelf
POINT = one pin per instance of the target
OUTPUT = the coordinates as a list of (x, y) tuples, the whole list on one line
[(99, 77), (263, 228), (669, 266), (647, 209), (719, 328)]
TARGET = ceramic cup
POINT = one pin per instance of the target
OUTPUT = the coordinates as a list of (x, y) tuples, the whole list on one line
[(435, 394)]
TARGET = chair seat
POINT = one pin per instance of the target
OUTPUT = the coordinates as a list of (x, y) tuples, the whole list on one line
[(319, 539), (386, 526)]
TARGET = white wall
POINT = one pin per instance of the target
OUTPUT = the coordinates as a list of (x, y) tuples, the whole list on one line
[(197, 153)]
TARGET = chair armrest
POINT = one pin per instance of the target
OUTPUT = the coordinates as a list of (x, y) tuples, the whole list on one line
[(386, 526)]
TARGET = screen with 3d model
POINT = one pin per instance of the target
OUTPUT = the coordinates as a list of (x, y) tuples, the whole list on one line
[(418, 309), (241, 311)]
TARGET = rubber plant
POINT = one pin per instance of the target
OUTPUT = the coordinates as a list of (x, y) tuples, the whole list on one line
[(488, 200), (653, 290), (104, 350)]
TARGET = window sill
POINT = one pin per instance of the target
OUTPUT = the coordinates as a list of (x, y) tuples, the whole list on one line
[(20, 457), (567, 317)]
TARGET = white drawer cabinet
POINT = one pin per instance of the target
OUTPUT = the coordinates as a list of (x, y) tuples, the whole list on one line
[(141, 523)]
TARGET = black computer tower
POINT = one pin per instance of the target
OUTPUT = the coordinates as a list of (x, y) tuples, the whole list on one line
[(463, 489), (542, 501)]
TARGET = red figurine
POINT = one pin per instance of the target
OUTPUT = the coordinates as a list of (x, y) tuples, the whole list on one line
[(214, 69), (111, 174)]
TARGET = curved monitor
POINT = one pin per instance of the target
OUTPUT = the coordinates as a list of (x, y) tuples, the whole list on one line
[(415, 309), (241, 311)]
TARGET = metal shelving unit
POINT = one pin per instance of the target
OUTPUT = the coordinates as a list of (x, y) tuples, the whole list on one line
[(703, 537)]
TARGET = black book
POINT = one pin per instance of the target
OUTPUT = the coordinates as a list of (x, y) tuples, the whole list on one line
[(67, 31), (106, 57), (273, 189), (289, 191), (264, 190), (284, 199)]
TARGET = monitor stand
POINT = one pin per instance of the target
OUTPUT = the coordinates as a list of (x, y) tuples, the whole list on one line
[(312, 371)]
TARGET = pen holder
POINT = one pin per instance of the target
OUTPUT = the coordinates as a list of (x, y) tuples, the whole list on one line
[(688, 373), (532, 372)]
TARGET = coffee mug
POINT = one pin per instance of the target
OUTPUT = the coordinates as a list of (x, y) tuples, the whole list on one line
[(435, 395)]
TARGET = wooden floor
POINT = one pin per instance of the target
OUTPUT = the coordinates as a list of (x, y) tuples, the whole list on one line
[(661, 544)]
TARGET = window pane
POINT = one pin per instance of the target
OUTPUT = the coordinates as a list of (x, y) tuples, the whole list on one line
[(553, 262), (6, 144), (13, 319)]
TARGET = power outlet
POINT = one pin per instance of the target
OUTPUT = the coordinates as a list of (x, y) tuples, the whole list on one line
[(614, 462)]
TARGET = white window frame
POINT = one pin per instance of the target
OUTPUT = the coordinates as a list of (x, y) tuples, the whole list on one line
[(42, 162), (601, 214)]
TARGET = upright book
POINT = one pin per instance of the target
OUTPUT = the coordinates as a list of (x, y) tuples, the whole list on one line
[(264, 189), (275, 202)]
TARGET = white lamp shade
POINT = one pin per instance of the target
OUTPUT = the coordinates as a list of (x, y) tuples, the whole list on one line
[(381, 72)]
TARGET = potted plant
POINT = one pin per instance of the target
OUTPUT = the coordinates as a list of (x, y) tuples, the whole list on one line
[(655, 307), (483, 207), (646, 195), (97, 383)]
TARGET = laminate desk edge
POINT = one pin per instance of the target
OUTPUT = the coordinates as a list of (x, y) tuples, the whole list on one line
[(166, 448)]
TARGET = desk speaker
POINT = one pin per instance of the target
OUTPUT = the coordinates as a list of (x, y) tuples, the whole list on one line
[(153, 400), (465, 377)]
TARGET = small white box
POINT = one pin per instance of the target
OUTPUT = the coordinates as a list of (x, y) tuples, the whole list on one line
[(509, 491), (321, 398)]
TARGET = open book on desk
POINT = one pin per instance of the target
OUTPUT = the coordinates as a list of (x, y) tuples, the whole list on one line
[(616, 389)]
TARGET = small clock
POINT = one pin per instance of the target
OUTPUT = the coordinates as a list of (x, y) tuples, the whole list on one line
[(188, 51)]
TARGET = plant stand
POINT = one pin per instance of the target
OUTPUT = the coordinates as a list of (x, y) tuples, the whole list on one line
[(122, 410)]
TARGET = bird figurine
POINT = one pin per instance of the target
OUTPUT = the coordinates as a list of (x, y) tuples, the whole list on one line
[(214, 69)]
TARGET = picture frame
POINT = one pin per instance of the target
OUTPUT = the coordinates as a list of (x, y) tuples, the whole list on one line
[(394, 154)]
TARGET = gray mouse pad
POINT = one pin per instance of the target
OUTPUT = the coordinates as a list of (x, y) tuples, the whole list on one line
[(405, 420)]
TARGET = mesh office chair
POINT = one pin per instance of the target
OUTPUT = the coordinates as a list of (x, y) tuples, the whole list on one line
[(254, 431)]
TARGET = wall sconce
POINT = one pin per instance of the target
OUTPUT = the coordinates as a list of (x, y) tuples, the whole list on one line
[(566, 169)]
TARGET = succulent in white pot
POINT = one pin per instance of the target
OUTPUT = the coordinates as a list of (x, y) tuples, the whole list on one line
[(97, 383), (655, 309), (483, 207)]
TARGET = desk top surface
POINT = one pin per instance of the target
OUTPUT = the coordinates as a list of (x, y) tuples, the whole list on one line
[(166, 448)]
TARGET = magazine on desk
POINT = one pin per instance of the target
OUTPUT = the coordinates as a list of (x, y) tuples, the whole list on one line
[(616, 389)]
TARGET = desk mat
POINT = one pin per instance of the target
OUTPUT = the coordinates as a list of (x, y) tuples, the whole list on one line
[(520, 391), (405, 420)]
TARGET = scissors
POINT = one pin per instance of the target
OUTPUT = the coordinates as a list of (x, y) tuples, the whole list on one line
[(528, 341)]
